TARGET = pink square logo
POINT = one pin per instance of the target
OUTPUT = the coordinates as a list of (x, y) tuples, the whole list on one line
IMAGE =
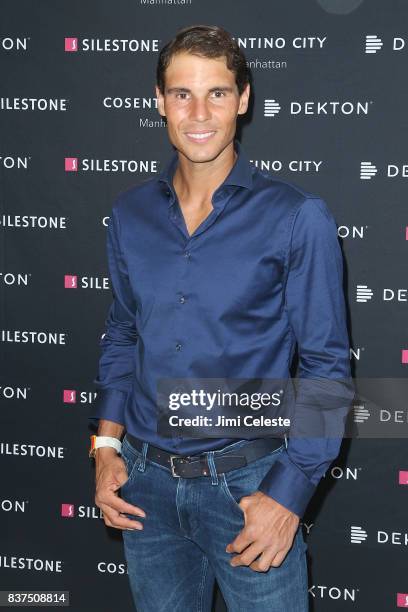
[(71, 164), (69, 396), (402, 600), (68, 510), (71, 44), (404, 356), (70, 281), (403, 477)]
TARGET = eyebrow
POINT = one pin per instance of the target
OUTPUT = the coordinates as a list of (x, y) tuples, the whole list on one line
[(186, 90)]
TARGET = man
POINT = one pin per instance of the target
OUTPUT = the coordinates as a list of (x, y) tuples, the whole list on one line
[(217, 270)]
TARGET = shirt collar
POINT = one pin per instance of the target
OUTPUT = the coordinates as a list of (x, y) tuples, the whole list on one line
[(240, 173)]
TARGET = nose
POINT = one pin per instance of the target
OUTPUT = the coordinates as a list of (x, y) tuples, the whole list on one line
[(199, 110)]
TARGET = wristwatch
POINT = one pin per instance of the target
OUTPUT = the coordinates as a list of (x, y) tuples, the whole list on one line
[(99, 441)]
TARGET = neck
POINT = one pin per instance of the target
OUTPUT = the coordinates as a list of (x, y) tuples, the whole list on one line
[(197, 181)]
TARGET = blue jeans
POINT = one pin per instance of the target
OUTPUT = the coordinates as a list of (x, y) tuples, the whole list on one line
[(174, 561)]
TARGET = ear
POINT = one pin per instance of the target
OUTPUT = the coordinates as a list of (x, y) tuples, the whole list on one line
[(244, 99), (160, 101)]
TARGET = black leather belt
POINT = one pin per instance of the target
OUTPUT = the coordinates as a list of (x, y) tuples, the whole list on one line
[(197, 465)]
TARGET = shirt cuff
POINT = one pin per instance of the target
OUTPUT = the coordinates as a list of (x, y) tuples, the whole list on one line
[(288, 485), (110, 405)]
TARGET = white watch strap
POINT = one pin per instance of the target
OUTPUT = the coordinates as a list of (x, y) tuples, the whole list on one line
[(108, 441)]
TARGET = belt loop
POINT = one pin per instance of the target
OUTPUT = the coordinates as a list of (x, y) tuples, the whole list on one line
[(142, 462), (213, 470), (286, 440)]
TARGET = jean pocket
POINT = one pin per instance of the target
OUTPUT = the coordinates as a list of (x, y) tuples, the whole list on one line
[(132, 457), (243, 481), (232, 500)]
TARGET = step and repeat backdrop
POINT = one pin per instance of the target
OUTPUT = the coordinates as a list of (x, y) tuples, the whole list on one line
[(79, 124)]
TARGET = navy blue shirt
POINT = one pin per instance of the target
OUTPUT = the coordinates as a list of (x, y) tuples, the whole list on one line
[(261, 273)]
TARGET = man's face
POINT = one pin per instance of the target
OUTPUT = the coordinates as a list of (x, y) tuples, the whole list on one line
[(201, 103)]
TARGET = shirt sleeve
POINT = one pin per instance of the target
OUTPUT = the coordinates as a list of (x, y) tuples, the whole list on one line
[(315, 306), (116, 364)]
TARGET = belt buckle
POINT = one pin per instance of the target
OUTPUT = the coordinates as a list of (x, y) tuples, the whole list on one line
[(172, 466)]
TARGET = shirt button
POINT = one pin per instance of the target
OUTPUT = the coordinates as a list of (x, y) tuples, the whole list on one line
[(178, 346), (182, 299)]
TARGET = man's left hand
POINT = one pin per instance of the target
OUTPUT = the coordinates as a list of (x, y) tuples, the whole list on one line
[(268, 534)]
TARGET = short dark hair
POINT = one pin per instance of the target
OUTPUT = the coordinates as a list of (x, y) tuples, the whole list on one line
[(206, 41)]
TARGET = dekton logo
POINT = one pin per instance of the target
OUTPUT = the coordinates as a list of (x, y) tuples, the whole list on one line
[(318, 591), (13, 505), (368, 170), (11, 43), (11, 393), (10, 162), (272, 107), (374, 43), (398, 294), (74, 44), (357, 534), (363, 293), (352, 231), (11, 279)]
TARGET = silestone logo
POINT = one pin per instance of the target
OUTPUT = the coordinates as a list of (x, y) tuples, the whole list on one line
[(33, 104), (72, 396), (71, 511), (73, 44), (403, 477), (73, 281), (74, 164), (402, 600), (68, 510)]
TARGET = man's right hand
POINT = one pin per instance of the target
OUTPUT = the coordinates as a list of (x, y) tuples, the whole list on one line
[(110, 475)]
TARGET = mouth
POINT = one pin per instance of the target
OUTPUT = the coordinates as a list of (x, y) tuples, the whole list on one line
[(200, 136)]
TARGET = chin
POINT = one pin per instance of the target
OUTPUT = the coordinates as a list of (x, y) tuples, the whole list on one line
[(201, 153)]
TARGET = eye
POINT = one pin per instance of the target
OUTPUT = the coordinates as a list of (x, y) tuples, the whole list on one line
[(219, 91), (181, 93)]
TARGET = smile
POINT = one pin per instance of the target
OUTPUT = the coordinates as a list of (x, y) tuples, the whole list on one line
[(200, 136)]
